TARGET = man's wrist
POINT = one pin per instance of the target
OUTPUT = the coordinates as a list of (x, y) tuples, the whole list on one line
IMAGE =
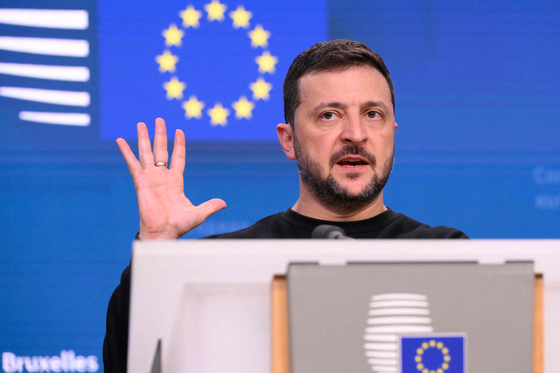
[(142, 236)]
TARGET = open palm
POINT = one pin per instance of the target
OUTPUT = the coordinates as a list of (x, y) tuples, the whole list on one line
[(165, 211)]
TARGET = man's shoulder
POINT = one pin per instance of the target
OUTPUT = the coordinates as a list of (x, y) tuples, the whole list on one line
[(405, 227), (273, 226)]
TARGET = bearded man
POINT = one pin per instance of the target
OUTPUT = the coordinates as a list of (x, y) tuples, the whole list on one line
[(339, 109)]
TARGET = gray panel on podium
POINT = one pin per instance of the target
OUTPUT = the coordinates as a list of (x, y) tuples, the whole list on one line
[(349, 318)]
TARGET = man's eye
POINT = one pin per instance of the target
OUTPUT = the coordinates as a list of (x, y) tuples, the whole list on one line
[(372, 114), (328, 115)]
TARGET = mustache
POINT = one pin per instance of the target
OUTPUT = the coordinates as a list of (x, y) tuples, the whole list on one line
[(353, 150)]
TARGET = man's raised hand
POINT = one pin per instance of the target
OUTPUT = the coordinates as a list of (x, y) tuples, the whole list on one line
[(165, 212)]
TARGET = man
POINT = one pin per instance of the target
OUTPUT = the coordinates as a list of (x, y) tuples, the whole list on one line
[(340, 128)]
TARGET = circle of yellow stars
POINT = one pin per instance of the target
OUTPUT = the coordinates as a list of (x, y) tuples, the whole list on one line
[(216, 11), (432, 344)]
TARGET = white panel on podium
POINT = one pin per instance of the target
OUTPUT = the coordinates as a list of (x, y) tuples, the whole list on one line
[(215, 329), (208, 301)]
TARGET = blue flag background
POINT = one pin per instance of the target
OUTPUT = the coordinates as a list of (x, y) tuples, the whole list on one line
[(216, 60), (477, 90), (433, 353)]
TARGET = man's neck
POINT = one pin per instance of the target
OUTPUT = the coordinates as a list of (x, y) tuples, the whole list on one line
[(308, 206)]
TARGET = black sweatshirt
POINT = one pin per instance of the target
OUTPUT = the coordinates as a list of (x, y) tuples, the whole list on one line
[(287, 224)]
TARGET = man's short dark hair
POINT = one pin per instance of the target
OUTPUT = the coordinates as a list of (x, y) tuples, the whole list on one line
[(334, 55)]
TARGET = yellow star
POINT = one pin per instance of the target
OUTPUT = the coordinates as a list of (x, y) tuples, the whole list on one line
[(243, 108), (259, 37), (167, 62), (215, 10), (190, 17), (260, 89), (218, 115), (173, 36), (240, 17), (174, 88), (266, 62), (193, 108)]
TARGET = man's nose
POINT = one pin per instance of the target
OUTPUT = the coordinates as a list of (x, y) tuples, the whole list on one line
[(353, 131)]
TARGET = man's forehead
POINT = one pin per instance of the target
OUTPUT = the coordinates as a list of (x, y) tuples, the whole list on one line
[(339, 84)]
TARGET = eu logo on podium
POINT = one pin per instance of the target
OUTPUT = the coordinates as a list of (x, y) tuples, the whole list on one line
[(432, 354)]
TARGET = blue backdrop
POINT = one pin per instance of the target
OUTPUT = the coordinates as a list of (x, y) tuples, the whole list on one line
[(477, 102)]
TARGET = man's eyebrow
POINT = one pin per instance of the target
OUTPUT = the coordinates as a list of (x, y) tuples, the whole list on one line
[(375, 104), (329, 104), (340, 105)]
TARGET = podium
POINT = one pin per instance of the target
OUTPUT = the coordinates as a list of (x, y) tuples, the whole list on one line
[(207, 304)]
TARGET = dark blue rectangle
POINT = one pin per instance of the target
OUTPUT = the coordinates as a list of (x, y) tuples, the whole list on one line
[(433, 354), (214, 61)]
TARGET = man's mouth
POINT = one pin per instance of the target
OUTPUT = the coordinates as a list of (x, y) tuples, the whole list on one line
[(352, 162), (352, 159)]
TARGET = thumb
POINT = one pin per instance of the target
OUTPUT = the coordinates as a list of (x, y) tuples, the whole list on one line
[(209, 208)]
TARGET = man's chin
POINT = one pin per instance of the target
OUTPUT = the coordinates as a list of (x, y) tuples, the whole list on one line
[(355, 194), (341, 194), (354, 187)]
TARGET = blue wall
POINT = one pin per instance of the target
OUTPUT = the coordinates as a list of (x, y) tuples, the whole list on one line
[(477, 101)]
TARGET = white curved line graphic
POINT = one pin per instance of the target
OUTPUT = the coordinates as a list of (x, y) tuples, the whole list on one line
[(51, 47), (400, 329), (47, 18), (381, 368), (398, 303), (66, 119), (65, 73), (399, 296), (382, 354), (393, 314), (399, 320), (388, 362), (381, 346), (381, 337), (399, 311), (48, 96)]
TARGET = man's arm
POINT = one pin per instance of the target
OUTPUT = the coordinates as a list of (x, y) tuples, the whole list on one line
[(165, 211), (115, 345)]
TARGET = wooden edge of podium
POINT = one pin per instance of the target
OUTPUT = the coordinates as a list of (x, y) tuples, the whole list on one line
[(280, 357), (538, 326)]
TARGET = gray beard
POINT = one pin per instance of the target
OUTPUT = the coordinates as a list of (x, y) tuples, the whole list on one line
[(329, 192)]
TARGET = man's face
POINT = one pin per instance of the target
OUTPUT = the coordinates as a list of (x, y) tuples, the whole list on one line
[(344, 136)]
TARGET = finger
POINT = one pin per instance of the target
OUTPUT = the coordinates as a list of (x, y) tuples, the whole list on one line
[(179, 153), (144, 147), (134, 167), (160, 142), (209, 208)]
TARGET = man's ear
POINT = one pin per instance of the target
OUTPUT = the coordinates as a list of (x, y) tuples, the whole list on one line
[(286, 138)]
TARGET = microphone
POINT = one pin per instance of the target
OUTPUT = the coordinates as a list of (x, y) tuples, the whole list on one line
[(329, 231)]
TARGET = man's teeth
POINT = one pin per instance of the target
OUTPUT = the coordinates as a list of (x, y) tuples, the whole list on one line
[(352, 163)]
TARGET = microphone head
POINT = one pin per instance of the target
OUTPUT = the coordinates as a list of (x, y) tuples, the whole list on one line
[(328, 231)]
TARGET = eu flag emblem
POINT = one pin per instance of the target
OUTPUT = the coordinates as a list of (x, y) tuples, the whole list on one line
[(433, 354), (213, 68)]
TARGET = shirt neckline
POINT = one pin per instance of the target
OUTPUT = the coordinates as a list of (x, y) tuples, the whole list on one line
[(377, 222)]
